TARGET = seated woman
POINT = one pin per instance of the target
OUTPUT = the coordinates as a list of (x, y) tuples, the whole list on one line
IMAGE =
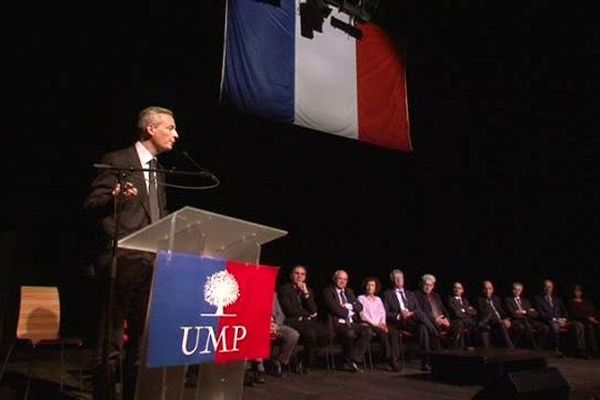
[(373, 314), (582, 310)]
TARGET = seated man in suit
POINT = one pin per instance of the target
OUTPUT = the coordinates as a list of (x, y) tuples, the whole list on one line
[(284, 336), (300, 308), (523, 317), (462, 313), (554, 313), (433, 307), (404, 314), (492, 317), (344, 309)]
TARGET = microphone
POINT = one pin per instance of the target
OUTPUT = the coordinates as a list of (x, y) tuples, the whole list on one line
[(203, 171), (102, 166), (109, 167)]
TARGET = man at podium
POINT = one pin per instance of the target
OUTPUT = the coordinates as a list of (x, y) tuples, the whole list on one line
[(140, 200)]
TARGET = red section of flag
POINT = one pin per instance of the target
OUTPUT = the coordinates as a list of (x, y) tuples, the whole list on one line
[(382, 103), (252, 310)]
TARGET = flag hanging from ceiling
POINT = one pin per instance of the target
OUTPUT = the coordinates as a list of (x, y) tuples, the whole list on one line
[(331, 82), (205, 310)]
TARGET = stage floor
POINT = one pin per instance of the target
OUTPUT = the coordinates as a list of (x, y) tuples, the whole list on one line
[(583, 377)]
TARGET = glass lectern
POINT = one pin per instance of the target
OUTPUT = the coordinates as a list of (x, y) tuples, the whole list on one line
[(191, 230)]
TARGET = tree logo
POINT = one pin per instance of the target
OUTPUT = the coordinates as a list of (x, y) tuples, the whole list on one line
[(221, 289)]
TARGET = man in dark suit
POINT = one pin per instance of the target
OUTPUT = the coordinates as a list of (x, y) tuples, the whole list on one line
[(403, 313), (462, 313), (141, 201), (344, 309), (435, 310), (523, 317), (553, 312), (300, 308), (492, 317)]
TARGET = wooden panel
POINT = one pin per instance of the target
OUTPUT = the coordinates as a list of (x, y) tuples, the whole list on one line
[(39, 314)]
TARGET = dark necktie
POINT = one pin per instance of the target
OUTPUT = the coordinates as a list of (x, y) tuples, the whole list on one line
[(153, 192), (345, 301), (343, 297), (518, 301), (494, 308), (462, 306), (404, 305), (549, 300)]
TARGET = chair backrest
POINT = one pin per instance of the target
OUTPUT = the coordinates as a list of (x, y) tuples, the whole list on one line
[(39, 314)]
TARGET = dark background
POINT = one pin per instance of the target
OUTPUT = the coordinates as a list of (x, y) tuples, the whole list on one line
[(503, 182)]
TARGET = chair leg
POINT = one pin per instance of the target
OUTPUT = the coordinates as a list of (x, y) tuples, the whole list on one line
[(333, 357), (370, 357), (5, 362), (81, 362), (30, 372), (62, 365), (121, 376), (401, 343), (457, 341), (328, 356)]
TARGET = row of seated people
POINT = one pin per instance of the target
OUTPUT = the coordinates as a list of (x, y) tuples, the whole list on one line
[(538, 324), (454, 323)]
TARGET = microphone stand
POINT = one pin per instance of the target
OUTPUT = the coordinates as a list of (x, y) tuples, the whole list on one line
[(109, 380), (171, 171)]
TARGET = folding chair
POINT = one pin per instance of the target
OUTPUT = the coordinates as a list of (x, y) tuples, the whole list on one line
[(39, 326)]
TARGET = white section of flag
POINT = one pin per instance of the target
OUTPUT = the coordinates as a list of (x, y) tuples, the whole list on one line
[(325, 79)]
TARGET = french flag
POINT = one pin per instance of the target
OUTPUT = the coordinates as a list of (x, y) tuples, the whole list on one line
[(331, 82), (205, 310)]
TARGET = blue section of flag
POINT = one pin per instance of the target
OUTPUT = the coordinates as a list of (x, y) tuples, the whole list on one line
[(259, 59), (176, 306)]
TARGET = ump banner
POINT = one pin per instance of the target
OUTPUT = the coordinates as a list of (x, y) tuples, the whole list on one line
[(206, 310)]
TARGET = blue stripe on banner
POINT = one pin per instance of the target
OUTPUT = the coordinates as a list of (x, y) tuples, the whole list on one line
[(259, 59), (175, 310)]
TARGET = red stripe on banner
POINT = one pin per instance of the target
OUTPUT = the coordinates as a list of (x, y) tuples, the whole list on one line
[(382, 102), (248, 332)]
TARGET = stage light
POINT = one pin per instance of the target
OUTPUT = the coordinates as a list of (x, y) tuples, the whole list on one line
[(356, 9), (314, 12), (312, 15), (320, 7), (360, 10)]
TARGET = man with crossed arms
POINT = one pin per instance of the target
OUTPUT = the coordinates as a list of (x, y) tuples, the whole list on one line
[(403, 313)]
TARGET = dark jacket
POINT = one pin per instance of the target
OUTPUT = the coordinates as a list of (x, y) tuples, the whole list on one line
[(134, 214), (512, 308), (486, 312), (294, 304), (392, 305), (458, 311), (549, 312), (334, 307), (424, 303)]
